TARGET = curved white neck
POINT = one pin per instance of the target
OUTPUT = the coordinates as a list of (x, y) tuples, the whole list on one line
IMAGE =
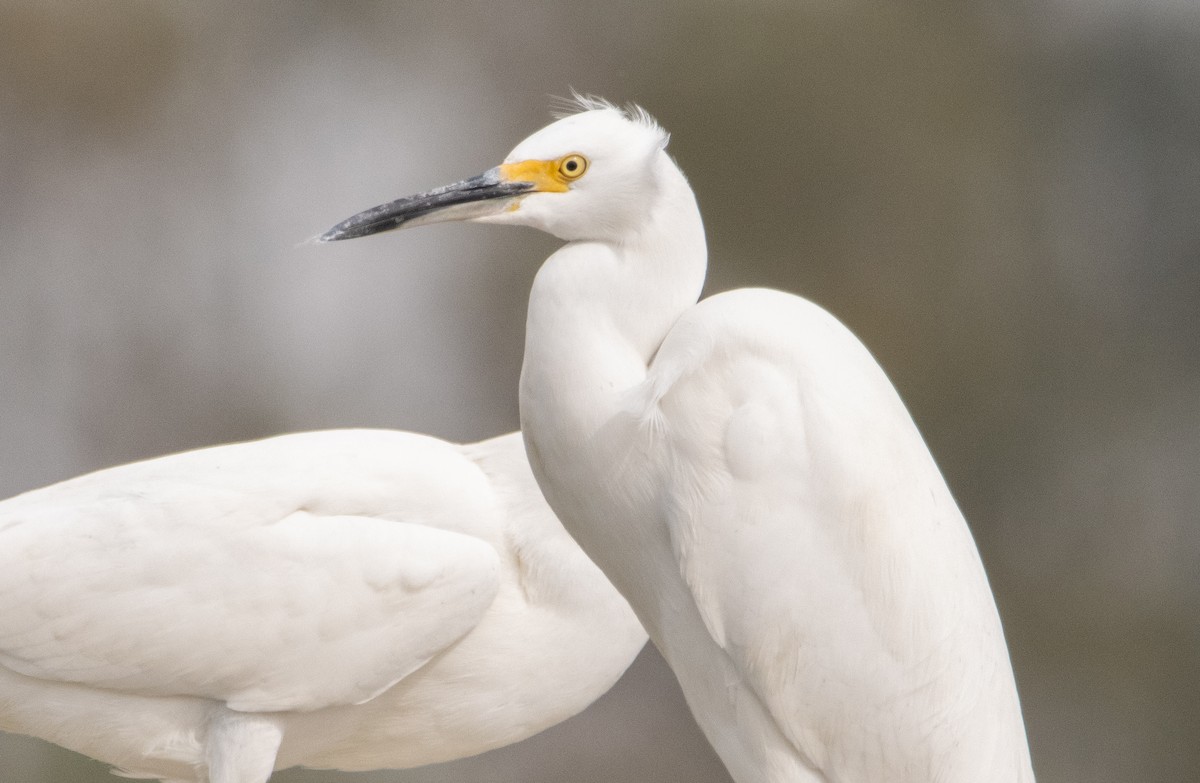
[(598, 313)]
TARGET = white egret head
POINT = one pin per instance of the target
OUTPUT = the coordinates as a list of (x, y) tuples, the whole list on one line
[(587, 176)]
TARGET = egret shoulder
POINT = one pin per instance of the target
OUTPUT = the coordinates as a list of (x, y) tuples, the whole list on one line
[(789, 449)]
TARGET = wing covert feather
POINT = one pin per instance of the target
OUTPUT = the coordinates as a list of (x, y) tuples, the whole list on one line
[(171, 577), (818, 539)]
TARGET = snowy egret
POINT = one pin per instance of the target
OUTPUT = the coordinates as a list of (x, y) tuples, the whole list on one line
[(746, 475), (350, 599)]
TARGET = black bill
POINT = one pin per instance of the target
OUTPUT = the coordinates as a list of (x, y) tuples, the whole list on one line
[(460, 201)]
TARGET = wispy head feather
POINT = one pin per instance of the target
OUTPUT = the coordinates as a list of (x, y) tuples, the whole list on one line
[(581, 102)]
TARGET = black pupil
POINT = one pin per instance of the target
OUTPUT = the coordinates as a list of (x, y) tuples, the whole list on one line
[(572, 165)]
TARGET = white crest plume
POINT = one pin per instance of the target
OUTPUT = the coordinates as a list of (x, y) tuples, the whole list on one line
[(580, 102)]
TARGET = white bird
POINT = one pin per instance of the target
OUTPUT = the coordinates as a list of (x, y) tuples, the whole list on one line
[(349, 599), (746, 475)]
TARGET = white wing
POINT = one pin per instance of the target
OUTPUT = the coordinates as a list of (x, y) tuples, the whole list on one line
[(287, 574), (824, 551)]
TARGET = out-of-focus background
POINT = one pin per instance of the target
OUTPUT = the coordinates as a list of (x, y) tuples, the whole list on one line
[(1001, 200)]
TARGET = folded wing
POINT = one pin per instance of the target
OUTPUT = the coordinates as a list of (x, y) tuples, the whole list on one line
[(186, 576)]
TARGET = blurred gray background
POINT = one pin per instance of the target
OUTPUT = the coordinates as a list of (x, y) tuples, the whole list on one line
[(1002, 200)]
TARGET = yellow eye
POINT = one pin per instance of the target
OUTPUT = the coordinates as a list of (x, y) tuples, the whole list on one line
[(572, 167)]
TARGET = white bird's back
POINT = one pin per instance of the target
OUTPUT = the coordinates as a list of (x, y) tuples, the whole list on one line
[(348, 599), (865, 627)]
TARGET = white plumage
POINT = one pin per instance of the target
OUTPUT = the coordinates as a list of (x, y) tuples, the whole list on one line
[(746, 475), (351, 599)]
